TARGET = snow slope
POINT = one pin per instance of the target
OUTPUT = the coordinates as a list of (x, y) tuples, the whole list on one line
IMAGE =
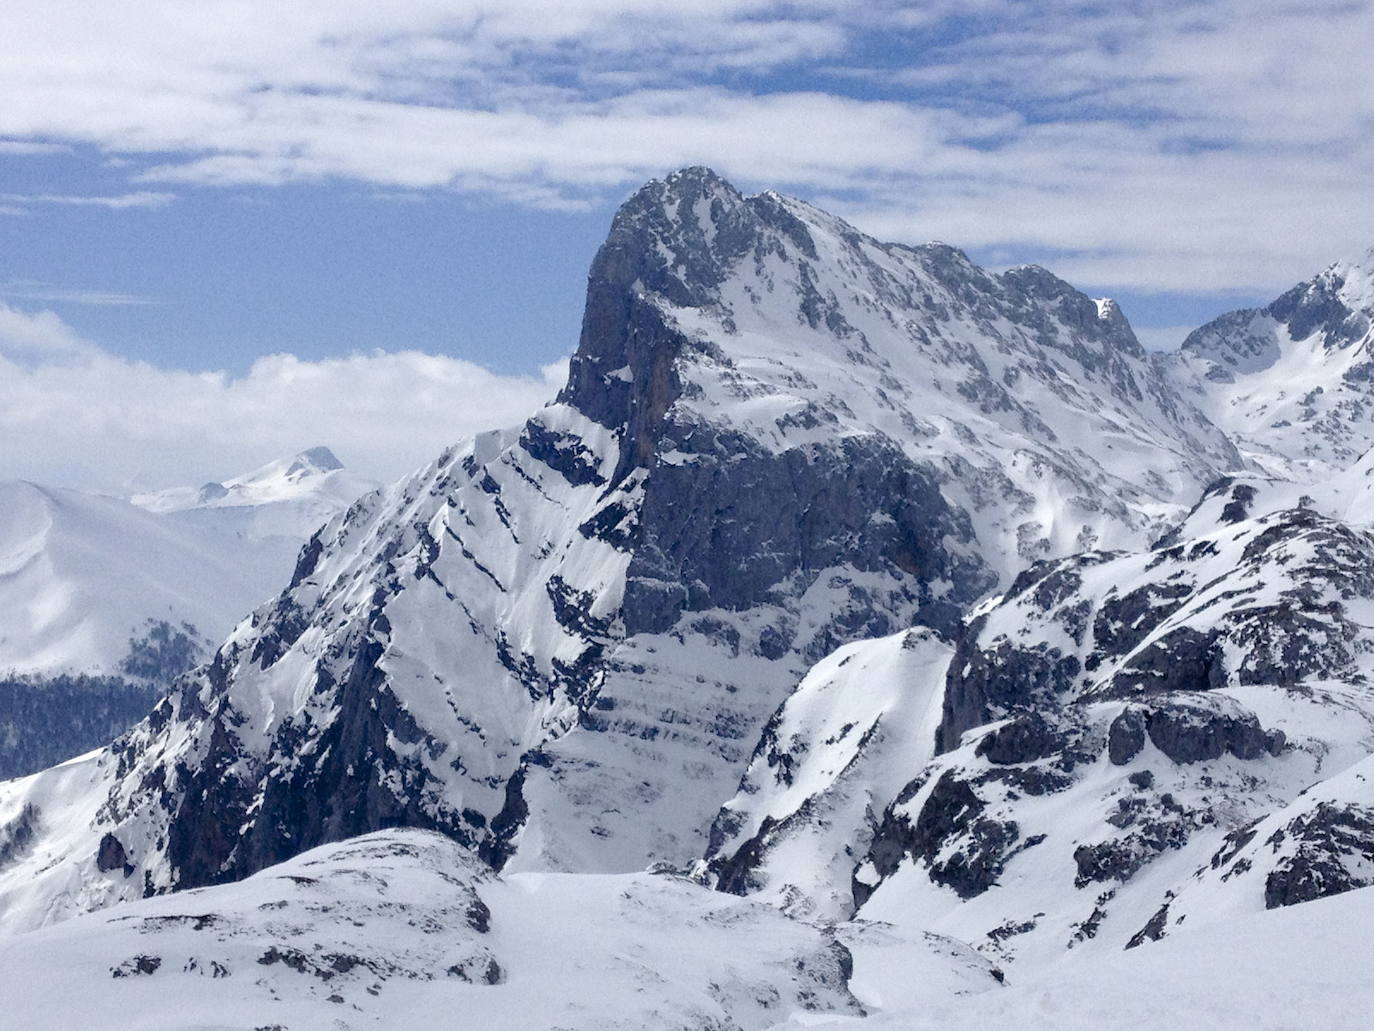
[(1299, 968), (81, 575), (407, 929), (827, 764)]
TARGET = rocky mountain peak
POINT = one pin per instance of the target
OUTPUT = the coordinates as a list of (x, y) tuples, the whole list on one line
[(1335, 307), (1303, 361), (314, 460)]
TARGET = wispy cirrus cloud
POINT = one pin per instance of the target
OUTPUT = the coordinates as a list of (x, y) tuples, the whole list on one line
[(115, 202), (21, 290), (32, 147), (1170, 145)]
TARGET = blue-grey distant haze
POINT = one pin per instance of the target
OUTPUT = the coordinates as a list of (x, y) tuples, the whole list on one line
[(237, 232)]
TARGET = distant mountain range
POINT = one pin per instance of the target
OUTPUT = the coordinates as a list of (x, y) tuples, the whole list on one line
[(112, 599)]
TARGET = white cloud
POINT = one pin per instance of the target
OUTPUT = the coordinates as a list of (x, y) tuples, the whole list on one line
[(1181, 145), (39, 337), (73, 414)]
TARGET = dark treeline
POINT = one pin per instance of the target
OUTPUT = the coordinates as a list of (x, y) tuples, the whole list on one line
[(44, 720)]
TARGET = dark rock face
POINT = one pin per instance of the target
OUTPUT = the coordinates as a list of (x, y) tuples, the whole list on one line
[(137, 966), (18, 834), (952, 811), (1023, 740), (1184, 659), (1126, 737), (1153, 930), (623, 329), (111, 855), (1316, 306), (317, 799), (766, 518), (1189, 734), (1326, 839), (1002, 678)]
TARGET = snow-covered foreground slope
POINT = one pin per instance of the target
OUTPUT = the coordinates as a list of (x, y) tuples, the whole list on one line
[(406, 929), (1289, 970), (560, 643), (291, 498)]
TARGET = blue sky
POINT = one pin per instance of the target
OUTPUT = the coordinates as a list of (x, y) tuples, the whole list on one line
[(189, 189)]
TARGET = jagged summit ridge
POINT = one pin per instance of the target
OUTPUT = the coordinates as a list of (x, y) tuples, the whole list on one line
[(767, 292)]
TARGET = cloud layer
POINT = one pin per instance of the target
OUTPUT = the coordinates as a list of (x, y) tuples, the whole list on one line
[(72, 414), (1169, 145)]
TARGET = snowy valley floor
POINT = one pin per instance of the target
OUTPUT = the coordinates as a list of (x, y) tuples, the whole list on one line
[(405, 930)]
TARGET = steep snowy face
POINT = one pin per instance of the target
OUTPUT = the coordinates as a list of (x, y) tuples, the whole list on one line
[(1291, 382), (559, 643), (827, 764), (291, 497), (1132, 739)]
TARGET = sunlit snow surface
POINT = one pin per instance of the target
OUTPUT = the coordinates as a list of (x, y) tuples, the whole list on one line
[(81, 574), (407, 930)]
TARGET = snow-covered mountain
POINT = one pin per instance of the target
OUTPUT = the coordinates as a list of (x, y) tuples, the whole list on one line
[(560, 642), (290, 498), (82, 577), (891, 593), (1292, 383)]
